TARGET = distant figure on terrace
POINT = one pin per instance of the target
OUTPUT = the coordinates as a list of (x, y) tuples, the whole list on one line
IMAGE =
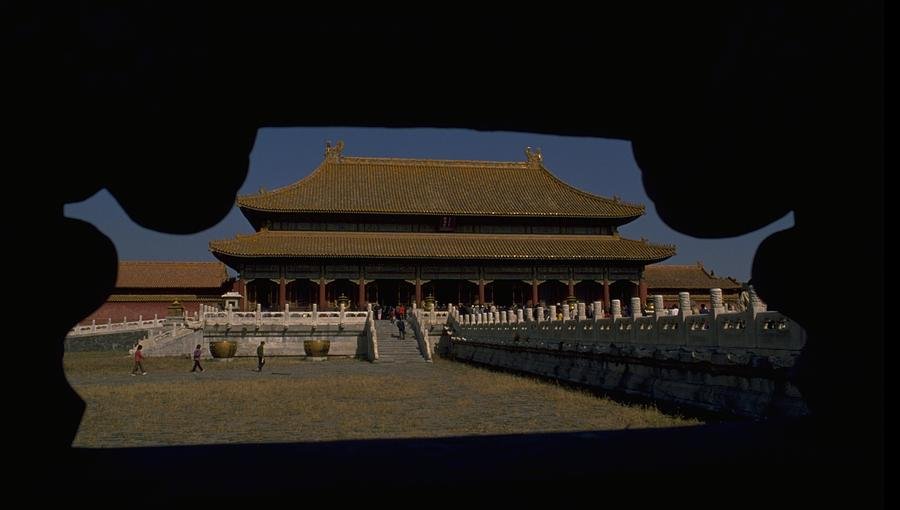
[(703, 308)]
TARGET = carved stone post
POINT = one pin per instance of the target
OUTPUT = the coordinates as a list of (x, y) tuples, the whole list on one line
[(636, 307), (659, 305), (716, 304), (684, 303), (598, 310)]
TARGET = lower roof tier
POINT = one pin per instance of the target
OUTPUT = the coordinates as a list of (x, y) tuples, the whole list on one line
[(394, 245)]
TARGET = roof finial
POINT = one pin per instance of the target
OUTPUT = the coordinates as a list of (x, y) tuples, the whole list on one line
[(533, 156), (333, 152)]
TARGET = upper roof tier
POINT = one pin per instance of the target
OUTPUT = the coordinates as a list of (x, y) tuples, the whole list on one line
[(344, 184)]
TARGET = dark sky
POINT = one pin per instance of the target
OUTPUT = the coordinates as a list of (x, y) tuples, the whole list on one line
[(282, 156)]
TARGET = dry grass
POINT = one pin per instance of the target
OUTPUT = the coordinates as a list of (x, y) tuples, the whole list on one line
[(296, 400)]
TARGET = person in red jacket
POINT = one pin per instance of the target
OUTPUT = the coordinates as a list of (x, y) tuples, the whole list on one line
[(138, 359)]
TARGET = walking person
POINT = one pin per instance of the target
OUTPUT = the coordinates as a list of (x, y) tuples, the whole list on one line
[(261, 355), (401, 325), (138, 361), (197, 353)]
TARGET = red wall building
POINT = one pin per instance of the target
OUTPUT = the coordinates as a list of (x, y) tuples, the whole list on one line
[(146, 288)]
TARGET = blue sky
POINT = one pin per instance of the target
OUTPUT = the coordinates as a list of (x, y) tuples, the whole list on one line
[(284, 155)]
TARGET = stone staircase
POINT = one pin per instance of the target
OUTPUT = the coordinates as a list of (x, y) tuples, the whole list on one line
[(393, 350), (170, 342)]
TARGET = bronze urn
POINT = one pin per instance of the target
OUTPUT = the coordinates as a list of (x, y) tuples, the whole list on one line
[(223, 348), (316, 349)]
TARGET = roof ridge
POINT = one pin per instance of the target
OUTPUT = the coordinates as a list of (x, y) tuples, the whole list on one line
[(453, 162)]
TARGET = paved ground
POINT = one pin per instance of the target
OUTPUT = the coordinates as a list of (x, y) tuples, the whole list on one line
[(298, 400)]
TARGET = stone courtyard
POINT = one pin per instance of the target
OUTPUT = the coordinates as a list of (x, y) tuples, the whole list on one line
[(294, 400)]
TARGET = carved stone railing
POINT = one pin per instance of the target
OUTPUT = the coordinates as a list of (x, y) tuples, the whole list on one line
[(417, 323), (753, 337), (371, 337), (116, 327), (736, 363), (286, 317)]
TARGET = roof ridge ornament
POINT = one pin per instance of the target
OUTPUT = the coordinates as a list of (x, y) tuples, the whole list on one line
[(533, 156), (333, 152)]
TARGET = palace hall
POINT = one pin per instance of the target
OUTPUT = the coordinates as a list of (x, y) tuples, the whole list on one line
[(390, 231)]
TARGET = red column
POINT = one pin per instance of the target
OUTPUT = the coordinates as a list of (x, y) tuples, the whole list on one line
[(606, 294), (322, 303), (571, 288), (481, 292), (282, 294), (418, 293), (534, 293), (642, 291), (362, 294), (240, 286)]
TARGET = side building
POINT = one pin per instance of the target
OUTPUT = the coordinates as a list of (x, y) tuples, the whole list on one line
[(670, 279), (390, 231), (147, 288)]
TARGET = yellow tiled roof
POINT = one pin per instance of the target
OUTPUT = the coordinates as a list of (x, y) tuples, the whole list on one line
[(685, 277), (439, 187), (164, 274), (321, 244), (166, 298)]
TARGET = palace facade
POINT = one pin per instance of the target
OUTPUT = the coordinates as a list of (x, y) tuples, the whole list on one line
[(390, 230)]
